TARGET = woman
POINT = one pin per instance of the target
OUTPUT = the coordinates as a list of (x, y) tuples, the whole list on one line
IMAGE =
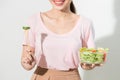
[(55, 36)]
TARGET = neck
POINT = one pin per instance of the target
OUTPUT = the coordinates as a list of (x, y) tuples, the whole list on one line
[(60, 13)]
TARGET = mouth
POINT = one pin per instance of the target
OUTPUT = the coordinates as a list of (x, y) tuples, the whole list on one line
[(59, 2)]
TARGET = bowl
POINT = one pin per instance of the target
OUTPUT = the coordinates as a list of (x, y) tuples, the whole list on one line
[(92, 55)]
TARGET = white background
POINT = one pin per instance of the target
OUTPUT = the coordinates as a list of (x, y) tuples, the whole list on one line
[(106, 18)]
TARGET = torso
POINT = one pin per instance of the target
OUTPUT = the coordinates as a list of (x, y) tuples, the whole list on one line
[(57, 40)]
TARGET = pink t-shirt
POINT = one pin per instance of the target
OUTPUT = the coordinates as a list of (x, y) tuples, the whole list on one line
[(59, 51)]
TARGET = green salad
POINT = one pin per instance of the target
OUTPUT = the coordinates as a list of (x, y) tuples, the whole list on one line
[(26, 27), (93, 56)]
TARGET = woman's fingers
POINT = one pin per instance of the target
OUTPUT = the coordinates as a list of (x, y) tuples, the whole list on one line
[(29, 54), (26, 64), (29, 57), (27, 60), (87, 66), (99, 64), (93, 65), (33, 63)]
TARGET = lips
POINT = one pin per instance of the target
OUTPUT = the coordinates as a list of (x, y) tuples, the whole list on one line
[(59, 2)]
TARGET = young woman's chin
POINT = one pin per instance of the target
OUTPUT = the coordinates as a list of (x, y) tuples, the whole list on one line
[(59, 4), (58, 8)]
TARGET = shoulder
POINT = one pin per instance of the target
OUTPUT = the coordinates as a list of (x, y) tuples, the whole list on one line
[(85, 20), (33, 17), (86, 23), (32, 21)]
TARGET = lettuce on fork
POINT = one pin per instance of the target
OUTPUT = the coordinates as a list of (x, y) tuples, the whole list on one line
[(26, 27), (92, 55)]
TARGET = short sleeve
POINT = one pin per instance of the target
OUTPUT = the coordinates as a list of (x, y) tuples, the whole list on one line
[(29, 35), (88, 35)]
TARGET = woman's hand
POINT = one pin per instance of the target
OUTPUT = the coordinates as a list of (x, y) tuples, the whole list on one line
[(27, 59), (89, 66)]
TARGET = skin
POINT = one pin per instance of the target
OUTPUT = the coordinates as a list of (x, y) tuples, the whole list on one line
[(27, 58), (62, 16)]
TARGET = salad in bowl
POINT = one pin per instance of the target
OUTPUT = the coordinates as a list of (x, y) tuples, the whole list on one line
[(92, 55)]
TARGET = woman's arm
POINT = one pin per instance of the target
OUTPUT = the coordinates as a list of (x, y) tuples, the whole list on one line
[(88, 35), (27, 58)]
